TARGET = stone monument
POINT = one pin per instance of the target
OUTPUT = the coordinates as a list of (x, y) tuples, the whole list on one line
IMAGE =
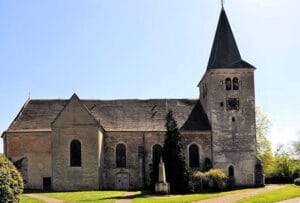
[(162, 186)]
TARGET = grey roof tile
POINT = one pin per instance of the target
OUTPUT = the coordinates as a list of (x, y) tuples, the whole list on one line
[(118, 115)]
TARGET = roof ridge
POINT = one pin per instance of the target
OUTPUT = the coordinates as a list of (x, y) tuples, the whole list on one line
[(116, 99)]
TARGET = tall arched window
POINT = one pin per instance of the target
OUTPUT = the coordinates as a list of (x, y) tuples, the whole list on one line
[(231, 171), (235, 82), (194, 156), (75, 153), (121, 156), (228, 83)]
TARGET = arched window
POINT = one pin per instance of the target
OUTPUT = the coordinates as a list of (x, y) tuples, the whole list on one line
[(121, 156), (207, 164), (75, 153), (235, 82), (231, 171), (194, 156), (228, 83)]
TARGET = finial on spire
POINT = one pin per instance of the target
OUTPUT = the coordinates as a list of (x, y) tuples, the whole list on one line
[(222, 4)]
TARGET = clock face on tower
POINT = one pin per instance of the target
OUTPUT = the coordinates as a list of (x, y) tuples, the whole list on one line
[(233, 104)]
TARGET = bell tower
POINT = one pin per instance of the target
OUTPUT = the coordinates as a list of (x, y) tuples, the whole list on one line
[(228, 97)]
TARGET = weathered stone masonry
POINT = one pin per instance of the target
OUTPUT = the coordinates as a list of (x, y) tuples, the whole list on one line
[(79, 144)]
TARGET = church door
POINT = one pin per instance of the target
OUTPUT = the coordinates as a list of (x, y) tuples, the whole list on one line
[(47, 184), (122, 181)]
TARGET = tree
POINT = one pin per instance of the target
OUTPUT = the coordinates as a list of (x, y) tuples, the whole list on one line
[(283, 164), (263, 144), (176, 170), (296, 148), (285, 168), (11, 183)]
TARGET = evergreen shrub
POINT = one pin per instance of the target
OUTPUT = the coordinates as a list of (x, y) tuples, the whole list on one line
[(11, 182)]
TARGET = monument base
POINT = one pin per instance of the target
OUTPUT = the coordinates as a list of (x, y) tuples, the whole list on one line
[(162, 188)]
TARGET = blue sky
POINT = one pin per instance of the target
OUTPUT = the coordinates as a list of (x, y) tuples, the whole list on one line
[(145, 49)]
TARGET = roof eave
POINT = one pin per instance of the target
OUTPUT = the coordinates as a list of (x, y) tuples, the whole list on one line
[(19, 113), (236, 65), (3, 134)]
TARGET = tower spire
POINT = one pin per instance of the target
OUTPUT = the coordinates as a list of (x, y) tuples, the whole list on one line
[(225, 52)]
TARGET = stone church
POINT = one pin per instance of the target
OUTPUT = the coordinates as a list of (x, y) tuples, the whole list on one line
[(77, 144)]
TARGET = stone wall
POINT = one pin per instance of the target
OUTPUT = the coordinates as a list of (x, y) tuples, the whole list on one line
[(75, 123), (139, 174), (36, 148), (133, 162), (98, 160), (48, 153), (234, 136), (85, 177)]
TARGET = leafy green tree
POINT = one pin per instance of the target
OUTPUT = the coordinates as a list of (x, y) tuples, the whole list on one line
[(176, 170), (283, 164), (263, 144), (11, 182)]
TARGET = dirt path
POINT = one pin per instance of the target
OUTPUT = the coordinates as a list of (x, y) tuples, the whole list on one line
[(296, 200), (127, 198), (241, 195), (44, 198)]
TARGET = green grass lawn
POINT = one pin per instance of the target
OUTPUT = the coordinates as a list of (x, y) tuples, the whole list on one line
[(289, 192), (184, 198), (87, 196), (111, 196), (25, 199)]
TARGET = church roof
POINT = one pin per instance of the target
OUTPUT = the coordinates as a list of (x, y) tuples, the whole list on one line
[(225, 52), (117, 115)]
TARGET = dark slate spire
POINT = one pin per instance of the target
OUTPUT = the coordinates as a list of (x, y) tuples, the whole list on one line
[(225, 53)]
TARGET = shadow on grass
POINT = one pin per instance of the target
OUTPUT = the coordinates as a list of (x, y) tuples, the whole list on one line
[(111, 197), (117, 197), (149, 194)]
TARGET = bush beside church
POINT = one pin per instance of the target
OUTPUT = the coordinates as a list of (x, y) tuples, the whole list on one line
[(212, 180), (11, 182)]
